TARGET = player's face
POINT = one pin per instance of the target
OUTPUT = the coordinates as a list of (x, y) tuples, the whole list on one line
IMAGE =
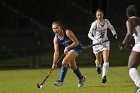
[(56, 28), (99, 15)]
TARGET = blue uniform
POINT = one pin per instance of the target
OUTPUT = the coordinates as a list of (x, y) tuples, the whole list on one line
[(67, 41)]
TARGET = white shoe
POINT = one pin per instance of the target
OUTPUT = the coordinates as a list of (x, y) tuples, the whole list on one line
[(138, 90), (58, 83), (81, 82)]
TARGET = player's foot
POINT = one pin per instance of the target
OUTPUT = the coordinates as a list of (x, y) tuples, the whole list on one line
[(98, 70), (104, 80), (81, 82), (138, 90), (58, 83)]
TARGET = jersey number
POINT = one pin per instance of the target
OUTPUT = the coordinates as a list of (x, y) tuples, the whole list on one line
[(102, 34)]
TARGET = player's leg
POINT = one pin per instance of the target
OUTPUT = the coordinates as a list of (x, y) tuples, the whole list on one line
[(69, 56), (98, 62), (132, 65), (105, 54), (63, 72), (81, 78), (75, 69)]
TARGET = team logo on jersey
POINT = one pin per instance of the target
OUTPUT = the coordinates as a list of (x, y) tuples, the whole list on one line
[(66, 42), (102, 33)]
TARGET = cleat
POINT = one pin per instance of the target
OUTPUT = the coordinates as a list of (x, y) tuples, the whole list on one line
[(138, 90), (58, 83), (104, 80), (98, 70), (81, 82)]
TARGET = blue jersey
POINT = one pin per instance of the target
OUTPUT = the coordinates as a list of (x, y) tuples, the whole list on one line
[(67, 41)]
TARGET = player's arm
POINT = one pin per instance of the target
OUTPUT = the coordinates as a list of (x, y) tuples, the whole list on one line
[(112, 29), (56, 52), (130, 30), (71, 35), (92, 31)]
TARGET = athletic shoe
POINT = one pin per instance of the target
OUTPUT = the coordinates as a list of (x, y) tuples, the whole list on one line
[(98, 70), (81, 82), (138, 90), (58, 83), (104, 80)]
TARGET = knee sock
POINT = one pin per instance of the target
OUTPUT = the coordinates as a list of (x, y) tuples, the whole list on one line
[(98, 64), (135, 76), (78, 73), (63, 73), (105, 68)]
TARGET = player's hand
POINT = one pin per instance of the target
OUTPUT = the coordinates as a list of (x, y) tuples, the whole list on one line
[(122, 47), (54, 66), (100, 42), (115, 37), (66, 50)]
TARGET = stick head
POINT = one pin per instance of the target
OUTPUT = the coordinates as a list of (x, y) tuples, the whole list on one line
[(40, 86)]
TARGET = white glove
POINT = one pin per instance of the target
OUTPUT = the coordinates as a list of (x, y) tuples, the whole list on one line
[(115, 36), (100, 42)]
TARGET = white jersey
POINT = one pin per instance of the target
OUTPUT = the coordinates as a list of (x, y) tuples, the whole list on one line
[(137, 34), (98, 31), (137, 39)]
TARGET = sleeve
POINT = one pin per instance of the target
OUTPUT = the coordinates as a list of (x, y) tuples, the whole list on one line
[(111, 27), (92, 31)]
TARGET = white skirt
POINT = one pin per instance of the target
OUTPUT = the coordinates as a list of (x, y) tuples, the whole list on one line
[(136, 47), (102, 47)]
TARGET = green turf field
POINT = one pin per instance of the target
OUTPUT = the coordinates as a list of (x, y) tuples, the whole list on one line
[(25, 80)]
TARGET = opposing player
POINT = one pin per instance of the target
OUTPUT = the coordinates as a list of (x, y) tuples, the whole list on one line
[(98, 34), (66, 37), (133, 29)]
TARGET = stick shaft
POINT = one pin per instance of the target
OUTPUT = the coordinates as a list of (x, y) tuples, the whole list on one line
[(49, 73), (89, 46)]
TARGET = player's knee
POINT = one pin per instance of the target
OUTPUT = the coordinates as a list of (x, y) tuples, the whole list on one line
[(64, 60), (106, 64), (105, 58), (131, 65), (64, 64)]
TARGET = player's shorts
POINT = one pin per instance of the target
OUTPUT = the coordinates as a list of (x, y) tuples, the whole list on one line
[(77, 49), (102, 47), (136, 47)]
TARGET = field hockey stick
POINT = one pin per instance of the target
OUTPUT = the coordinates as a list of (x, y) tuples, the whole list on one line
[(127, 48), (89, 46), (40, 85)]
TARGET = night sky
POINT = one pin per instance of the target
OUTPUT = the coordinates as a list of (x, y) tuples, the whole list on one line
[(46, 11), (28, 18)]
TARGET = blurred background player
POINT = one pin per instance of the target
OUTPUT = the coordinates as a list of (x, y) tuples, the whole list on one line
[(72, 49), (98, 34), (133, 29)]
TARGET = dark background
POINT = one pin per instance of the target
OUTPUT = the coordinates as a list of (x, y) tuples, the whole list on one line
[(25, 26)]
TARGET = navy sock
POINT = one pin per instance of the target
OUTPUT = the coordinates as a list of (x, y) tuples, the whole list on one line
[(78, 73), (63, 73)]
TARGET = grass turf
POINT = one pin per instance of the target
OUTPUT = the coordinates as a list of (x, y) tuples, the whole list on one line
[(25, 80)]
